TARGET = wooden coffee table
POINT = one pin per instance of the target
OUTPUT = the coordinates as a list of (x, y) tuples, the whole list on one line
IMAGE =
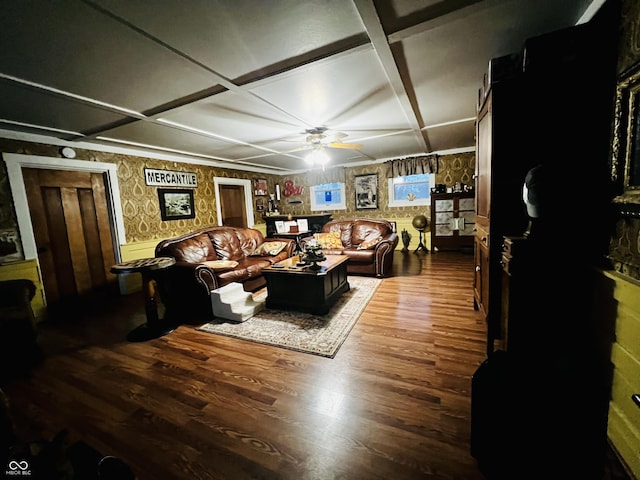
[(301, 288)]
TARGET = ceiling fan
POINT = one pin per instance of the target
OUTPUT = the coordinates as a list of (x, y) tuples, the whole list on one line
[(321, 137), (318, 139)]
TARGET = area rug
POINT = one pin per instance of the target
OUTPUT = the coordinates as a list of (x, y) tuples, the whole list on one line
[(321, 335)]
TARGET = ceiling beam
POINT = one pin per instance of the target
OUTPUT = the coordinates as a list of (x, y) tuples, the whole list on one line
[(373, 27)]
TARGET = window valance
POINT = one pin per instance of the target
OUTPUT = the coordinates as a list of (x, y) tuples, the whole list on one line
[(412, 166)]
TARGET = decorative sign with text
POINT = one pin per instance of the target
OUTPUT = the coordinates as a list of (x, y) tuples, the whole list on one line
[(291, 189), (170, 178)]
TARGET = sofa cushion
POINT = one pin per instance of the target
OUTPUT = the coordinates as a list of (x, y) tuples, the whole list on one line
[(370, 243), (364, 230), (196, 249), (329, 240), (217, 265), (249, 239), (268, 249), (360, 256), (344, 227), (226, 243)]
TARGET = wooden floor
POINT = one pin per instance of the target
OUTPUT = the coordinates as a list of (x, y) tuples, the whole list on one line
[(394, 403)]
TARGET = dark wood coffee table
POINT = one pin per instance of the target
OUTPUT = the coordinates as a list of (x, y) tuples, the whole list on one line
[(304, 289)]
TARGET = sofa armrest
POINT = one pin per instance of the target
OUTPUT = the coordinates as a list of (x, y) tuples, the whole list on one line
[(384, 255), (206, 277), (391, 240)]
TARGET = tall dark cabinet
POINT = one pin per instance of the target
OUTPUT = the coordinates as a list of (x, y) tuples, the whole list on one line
[(500, 171), (550, 105)]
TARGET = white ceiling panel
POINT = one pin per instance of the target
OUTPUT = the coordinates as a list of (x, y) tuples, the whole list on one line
[(30, 106), (347, 92), (72, 47), (240, 82), (244, 36)]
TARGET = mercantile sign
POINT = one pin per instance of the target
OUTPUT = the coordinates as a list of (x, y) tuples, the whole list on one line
[(170, 178)]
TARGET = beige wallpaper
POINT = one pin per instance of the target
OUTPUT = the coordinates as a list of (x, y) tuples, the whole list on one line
[(452, 169), (140, 206)]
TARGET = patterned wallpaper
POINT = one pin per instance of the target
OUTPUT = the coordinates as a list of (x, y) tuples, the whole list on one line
[(140, 206), (451, 169), (624, 249)]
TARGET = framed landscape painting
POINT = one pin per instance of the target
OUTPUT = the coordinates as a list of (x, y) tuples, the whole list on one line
[(176, 204)]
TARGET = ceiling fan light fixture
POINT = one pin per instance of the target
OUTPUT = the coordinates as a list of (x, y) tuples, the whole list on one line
[(317, 157)]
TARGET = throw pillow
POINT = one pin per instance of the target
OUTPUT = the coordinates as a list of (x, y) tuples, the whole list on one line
[(370, 243), (268, 248), (329, 240), (221, 264)]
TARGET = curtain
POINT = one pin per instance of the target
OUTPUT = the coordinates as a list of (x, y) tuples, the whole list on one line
[(412, 165)]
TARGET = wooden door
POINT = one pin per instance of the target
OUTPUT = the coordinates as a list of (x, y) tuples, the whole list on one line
[(73, 236), (232, 206)]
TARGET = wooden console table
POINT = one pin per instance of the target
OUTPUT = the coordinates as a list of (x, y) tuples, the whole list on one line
[(149, 268)]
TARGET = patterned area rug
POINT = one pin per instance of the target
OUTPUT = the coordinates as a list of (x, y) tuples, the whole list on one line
[(304, 332)]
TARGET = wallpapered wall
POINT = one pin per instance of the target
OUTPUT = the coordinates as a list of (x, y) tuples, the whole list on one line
[(140, 202), (624, 250), (452, 169)]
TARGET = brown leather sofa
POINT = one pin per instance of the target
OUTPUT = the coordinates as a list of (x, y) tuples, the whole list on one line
[(375, 260), (185, 287)]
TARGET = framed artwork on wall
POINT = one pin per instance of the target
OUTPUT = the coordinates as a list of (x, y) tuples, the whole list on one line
[(176, 204), (260, 204), (260, 186), (366, 187), (625, 164)]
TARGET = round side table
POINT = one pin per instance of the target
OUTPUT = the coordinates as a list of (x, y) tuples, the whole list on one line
[(148, 267)]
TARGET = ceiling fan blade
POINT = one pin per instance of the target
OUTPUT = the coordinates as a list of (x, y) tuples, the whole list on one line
[(354, 146), (299, 149)]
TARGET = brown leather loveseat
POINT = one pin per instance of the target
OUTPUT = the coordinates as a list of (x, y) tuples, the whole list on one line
[(368, 243), (211, 258)]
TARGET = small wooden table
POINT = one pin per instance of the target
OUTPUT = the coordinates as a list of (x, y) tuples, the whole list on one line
[(304, 289), (148, 267)]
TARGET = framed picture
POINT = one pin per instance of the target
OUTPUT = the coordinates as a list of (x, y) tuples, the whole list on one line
[(394, 227), (303, 224), (260, 204), (176, 204), (366, 191), (625, 164), (260, 186)]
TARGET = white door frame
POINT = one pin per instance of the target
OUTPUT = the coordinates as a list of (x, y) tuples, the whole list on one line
[(248, 199), (16, 162)]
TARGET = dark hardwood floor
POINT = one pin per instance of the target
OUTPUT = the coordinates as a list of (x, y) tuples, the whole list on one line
[(394, 403)]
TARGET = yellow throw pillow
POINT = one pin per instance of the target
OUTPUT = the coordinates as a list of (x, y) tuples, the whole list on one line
[(370, 244), (329, 240), (269, 248)]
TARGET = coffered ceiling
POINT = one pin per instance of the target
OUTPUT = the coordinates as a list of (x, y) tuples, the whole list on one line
[(239, 82)]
